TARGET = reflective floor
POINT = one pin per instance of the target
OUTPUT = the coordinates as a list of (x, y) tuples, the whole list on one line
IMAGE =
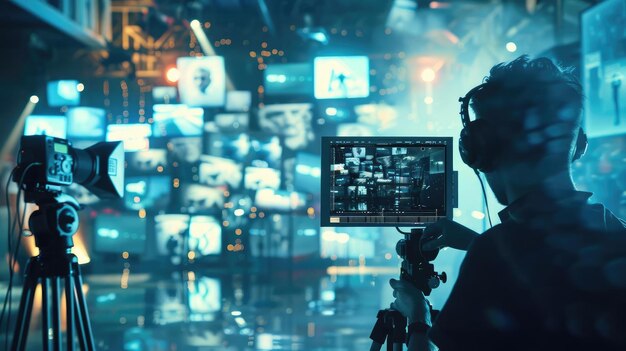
[(259, 305)]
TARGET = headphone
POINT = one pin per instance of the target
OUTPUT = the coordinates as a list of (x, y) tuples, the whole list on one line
[(478, 144)]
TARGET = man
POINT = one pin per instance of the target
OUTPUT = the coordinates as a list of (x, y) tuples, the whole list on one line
[(552, 275)]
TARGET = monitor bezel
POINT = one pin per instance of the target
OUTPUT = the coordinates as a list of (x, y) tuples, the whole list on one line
[(325, 175)]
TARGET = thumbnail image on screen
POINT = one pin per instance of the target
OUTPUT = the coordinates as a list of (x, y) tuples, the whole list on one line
[(177, 121), (342, 77), (384, 181), (54, 126), (604, 68), (86, 122), (119, 233), (292, 121), (202, 81), (63, 93)]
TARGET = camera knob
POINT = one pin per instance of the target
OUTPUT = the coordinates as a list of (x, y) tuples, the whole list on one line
[(66, 220)]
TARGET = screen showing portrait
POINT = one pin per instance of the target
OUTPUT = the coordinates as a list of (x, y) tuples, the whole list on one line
[(202, 81)]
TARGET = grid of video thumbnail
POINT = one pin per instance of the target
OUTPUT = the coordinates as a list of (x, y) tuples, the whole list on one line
[(393, 183)]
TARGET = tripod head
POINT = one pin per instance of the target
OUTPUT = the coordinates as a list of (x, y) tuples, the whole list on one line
[(416, 267)]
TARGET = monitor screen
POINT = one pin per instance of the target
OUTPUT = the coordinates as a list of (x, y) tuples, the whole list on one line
[(604, 68), (289, 79), (134, 136), (164, 95), (342, 77), (54, 126), (119, 233), (205, 236), (218, 171), (63, 93), (386, 181), (86, 122), (291, 121), (147, 192), (202, 81), (238, 101), (153, 161), (235, 147), (177, 121)]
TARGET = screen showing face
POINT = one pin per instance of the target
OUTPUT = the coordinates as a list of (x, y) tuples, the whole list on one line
[(292, 121), (342, 77), (54, 126), (238, 101), (289, 79), (119, 233), (177, 121), (202, 81), (86, 122), (63, 93), (205, 236), (134, 136), (382, 181)]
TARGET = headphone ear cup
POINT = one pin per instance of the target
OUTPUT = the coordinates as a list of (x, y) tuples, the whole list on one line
[(477, 146), (581, 145)]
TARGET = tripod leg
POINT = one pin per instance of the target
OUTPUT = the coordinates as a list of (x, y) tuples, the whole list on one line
[(69, 312), (46, 335), (82, 308), (56, 314), (26, 307)]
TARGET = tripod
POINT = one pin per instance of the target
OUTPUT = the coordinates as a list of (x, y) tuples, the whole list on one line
[(53, 225), (416, 269)]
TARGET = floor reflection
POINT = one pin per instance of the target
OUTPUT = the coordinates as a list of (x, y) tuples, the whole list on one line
[(313, 307)]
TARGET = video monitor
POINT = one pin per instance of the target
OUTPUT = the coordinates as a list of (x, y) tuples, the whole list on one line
[(177, 121), (235, 147), (145, 162), (604, 68), (134, 136), (238, 101), (291, 121), (265, 151), (170, 233), (197, 198), (205, 298), (218, 171), (147, 192), (202, 81), (63, 93), (119, 233), (228, 122), (280, 200), (86, 123), (187, 150), (307, 173), (205, 236), (256, 178), (54, 126), (164, 95), (289, 79), (386, 181), (342, 77)]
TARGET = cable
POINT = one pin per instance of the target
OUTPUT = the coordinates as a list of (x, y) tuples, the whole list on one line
[(401, 232), (482, 186)]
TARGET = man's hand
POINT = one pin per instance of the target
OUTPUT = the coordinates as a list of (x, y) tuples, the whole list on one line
[(446, 233), (410, 301)]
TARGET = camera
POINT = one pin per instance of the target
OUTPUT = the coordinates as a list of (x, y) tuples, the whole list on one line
[(55, 163)]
